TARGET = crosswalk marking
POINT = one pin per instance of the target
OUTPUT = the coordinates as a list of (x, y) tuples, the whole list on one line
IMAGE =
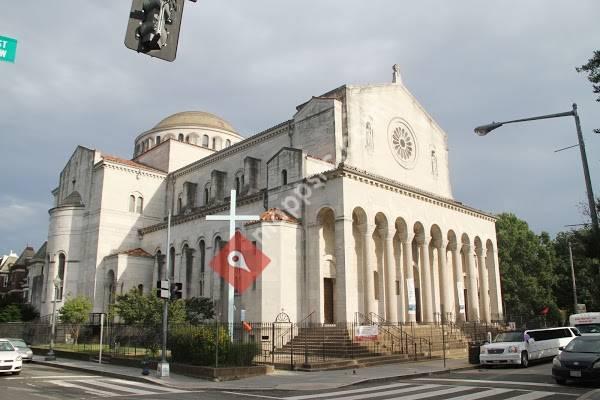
[(487, 381), (146, 385), (532, 396), (320, 395), (85, 389), (437, 392), (120, 388), (479, 395)]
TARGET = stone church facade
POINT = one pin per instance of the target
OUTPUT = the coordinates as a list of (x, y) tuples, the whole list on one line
[(355, 203)]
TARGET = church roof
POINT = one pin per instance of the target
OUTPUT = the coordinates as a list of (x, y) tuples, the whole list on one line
[(25, 256), (195, 118), (41, 253), (130, 163), (74, 199), (138, 252)]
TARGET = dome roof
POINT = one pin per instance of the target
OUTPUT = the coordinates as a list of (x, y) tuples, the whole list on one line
[(195, 118)]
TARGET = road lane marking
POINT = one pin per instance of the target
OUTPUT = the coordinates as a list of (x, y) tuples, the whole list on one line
[(146, 385), (488, 381), (330, 394), (85, 389), (374, 393), (54, 377), (253, 395)]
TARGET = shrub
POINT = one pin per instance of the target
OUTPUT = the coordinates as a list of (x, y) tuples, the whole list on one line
[(196, 345)]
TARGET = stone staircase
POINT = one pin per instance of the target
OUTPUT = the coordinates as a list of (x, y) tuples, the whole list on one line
[(326, 341)]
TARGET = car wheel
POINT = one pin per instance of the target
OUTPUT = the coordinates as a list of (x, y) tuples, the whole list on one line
[(16, 372), (560, 381), (524, 359)]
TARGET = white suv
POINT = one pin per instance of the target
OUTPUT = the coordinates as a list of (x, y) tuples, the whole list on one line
[(10, 360)]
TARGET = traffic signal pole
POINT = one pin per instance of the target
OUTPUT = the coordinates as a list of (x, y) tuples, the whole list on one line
[(163, 366)]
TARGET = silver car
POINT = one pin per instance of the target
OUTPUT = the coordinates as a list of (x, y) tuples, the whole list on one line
[(22, 348)]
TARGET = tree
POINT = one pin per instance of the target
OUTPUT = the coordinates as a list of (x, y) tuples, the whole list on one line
[(592, 68), (10, 313), (527, 264), (75, 311), (199, 309), (135, 308)]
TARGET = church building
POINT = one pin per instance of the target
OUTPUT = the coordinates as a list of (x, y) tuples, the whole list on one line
[(354, 204)]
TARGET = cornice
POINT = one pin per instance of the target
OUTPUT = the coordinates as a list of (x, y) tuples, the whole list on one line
[(130, 169)]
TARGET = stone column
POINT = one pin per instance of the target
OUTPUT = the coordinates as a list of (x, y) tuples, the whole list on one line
[(390, 277), (426, 293), (472, 284), (495, 292), (459, 283), (314, 295), (345, 276), (483, 287), (408, 262), (400, 299), (368, 262), (445, 289)]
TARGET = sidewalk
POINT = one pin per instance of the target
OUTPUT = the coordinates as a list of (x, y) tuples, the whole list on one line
[(278, 380)]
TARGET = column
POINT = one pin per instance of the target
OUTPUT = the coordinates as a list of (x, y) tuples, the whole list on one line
[(369, 279), (314, 293), (425, 269), (459, 284), (495, 293), (345, 273), (484, 287), (445, 289), (390, 277), (407, 258), (472, 284), (400, 299)]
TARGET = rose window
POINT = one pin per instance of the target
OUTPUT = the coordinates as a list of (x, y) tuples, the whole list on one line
[(403, 143)]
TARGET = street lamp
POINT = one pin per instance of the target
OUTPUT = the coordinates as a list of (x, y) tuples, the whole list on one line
[(485, 129), (51, 356)]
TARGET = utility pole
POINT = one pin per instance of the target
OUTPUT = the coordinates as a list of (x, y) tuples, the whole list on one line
[(573, 279)]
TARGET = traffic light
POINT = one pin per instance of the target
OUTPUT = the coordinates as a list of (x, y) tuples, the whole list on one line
[(176, 290), (162, 289), (153, 27)]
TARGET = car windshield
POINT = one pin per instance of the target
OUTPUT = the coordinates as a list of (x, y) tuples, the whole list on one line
[(579, 345), (509, 337), (588, 328), (18, 343), (5, 346)]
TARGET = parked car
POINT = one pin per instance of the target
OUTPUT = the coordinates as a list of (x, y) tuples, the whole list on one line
[(10, 360), (578, 361), (519, 347), (23, 349)]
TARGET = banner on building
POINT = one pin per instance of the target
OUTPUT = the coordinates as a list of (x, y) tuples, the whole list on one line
[(412, 298), (460, 288), (366, 332)]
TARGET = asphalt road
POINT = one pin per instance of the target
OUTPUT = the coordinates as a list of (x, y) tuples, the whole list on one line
[(534, 383)]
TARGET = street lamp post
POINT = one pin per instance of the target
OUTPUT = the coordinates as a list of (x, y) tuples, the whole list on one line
[(485, 129), (51, 356)]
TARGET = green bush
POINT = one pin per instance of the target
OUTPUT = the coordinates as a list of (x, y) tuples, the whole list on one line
[(196, 345)]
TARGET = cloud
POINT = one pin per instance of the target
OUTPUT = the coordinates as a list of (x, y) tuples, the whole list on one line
[(22, 222)]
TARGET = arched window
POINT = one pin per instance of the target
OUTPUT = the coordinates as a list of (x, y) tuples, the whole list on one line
[(160, 265), (284, 177), (202, 266), (111, 287), (180, 138), (179, 205), (206, 195), (227, 143), (205, 141), (61, 275), (139, 206), (140, 289), (237, 184), (214, 144), (132, 203), (189, 259), (187, 139), (137, 149), (158, 140), (171, 274)]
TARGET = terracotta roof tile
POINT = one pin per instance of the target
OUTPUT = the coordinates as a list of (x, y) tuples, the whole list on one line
[(130, 163)]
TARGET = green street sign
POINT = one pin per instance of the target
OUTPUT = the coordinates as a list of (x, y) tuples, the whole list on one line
[(8, 49)]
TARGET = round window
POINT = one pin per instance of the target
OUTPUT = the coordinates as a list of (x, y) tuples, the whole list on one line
[(403, 143)]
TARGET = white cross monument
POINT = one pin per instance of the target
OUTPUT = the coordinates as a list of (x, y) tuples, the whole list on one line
[(232, 218)]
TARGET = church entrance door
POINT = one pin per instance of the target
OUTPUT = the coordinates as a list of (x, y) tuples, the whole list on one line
[(418, 296), (328, 300)]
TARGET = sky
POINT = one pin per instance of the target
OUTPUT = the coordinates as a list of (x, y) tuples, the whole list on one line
[(251, 62)]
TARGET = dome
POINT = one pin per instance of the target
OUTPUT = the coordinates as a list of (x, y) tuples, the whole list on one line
[(195, 118)]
